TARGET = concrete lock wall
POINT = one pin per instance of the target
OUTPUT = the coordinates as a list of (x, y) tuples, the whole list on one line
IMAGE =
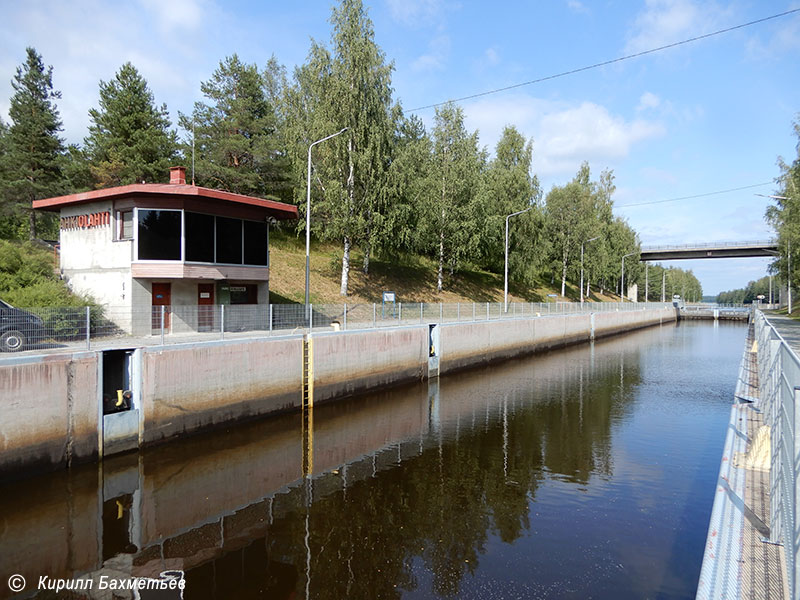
[(195, 386), (50, 406), (48, 411), (349, 362)]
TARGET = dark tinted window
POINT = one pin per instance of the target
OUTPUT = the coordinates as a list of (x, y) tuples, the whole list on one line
[(159, 235), (255, 243), (199, 237), (229, 241)]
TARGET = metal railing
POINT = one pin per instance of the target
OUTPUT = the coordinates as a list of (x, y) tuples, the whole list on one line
[(779, 391), (706, 245), (96, 327)]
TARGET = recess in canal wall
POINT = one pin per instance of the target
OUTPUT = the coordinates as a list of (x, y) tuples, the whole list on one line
[(52, 406)]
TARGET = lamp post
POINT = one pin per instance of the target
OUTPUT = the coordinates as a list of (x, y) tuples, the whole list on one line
[(582, 245), (505, 276), (622, 285), (308, 208)]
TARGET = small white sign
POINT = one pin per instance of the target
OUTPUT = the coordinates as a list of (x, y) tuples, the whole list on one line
[(205, 295), (388, 296), (237, 288)]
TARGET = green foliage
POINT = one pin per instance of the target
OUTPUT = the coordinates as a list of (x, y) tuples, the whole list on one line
[(784, 215), (748, 294), (27, 277), (32, 151), (448, 224), (129, 140), (235, 132)]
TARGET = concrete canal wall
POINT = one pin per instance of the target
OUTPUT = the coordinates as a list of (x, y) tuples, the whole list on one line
[(51, 408)]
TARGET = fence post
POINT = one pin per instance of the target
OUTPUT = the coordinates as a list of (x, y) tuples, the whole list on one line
[(88, 330), (487, 311), (473, 311), (221, 323), (162, 324), (344, 317), (421, 304), (400, 312), (270, 319), (441, 311), (374, 316), (310, 317), (458, 311)]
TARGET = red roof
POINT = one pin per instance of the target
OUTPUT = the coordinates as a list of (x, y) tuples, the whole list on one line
[(279, 210)]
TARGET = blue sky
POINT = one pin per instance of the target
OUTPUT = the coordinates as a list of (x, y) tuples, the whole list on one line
[(707, 116)]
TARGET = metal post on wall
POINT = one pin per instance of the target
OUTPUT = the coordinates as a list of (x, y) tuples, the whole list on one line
[(162, 324), (374, 315), (421, 305), (400, 312), (487, 311), (270, 319), (221, 323), (344, 317), (310, 317), (88, 329), (441, 312)]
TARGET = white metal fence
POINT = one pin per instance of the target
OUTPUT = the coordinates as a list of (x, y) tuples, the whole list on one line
[(90, 327), (779, 383)]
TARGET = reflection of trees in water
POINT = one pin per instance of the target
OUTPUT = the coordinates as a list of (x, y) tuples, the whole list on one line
[(372, 534)]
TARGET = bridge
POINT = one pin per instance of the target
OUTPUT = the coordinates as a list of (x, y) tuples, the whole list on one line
[(711, 250)]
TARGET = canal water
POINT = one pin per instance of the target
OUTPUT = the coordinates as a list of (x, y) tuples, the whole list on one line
[(587, 472)]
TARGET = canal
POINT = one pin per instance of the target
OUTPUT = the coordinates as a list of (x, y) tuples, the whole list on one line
[(587, 472)]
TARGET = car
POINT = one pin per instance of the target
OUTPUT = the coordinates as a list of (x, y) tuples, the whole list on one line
[(18, 328)]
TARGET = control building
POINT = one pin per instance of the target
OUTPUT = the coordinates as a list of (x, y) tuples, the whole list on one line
[(140, 246)]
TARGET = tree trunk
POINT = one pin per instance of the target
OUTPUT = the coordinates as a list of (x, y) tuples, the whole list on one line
[(32, 225), (563, 275), (345, 265), (588, 288), (367, 244), (440, 278), (351, 178)]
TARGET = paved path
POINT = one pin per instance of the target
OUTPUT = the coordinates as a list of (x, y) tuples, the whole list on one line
[(788, 328)]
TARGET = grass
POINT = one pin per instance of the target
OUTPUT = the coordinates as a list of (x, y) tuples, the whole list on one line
[(412, 277)]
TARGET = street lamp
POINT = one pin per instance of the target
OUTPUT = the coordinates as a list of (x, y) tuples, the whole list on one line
[(505, 276), (622, 285), (308, 208), (586, 242)]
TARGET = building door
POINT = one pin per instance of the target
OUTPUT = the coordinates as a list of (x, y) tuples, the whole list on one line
[(205, 306), (162, 296)]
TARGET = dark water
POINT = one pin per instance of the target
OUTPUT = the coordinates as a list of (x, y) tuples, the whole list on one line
[(582, 473)]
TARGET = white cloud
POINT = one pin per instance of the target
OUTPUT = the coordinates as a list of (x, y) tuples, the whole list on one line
[(491, 56), (175, 14), (666, 21), (648, 100), (564, 134), (577, 7), (436, 57), (416, 12)]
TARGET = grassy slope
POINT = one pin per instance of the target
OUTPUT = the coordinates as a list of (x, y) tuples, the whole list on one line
[(413, 278)]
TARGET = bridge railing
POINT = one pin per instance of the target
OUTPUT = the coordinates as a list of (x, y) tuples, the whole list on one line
[(779, 392), (98, 327), (744, 244)]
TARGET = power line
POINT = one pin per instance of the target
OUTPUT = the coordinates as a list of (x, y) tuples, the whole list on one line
[(608, 62), (745, 187)]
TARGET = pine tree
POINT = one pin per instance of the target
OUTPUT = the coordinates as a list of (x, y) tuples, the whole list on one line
[(129, 140), (34, 148), (236, 132)]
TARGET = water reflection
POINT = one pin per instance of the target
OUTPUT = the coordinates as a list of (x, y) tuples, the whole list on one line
[(520, 479)]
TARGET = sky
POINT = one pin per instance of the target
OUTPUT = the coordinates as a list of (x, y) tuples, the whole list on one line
[(702, 117)]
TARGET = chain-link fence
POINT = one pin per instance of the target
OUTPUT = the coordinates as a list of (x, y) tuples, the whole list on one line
[(99, 327)]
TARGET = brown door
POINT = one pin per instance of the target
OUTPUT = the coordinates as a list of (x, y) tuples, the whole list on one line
[(205, 306), (162, 296)]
